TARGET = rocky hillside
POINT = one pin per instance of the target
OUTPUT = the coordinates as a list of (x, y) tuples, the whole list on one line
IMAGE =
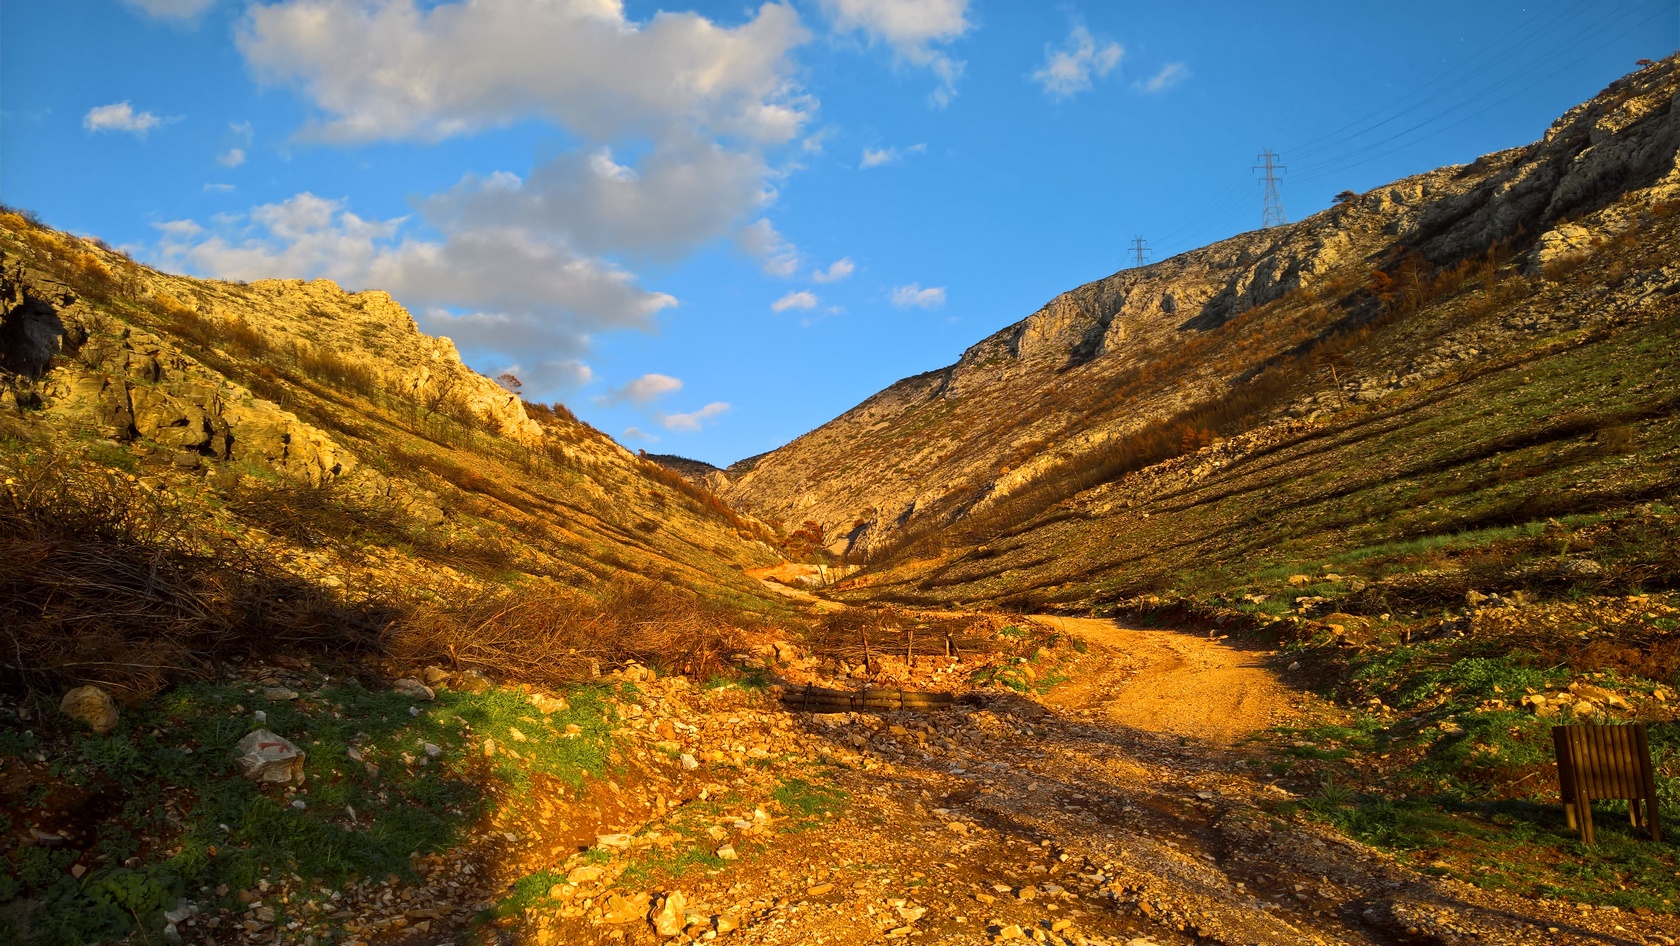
[(317, 435), (1224, 352)]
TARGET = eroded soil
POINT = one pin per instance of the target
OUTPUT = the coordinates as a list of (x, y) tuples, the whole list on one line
[(1121, 807)]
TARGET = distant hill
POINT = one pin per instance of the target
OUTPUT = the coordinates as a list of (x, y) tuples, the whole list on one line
[(1480, 347)]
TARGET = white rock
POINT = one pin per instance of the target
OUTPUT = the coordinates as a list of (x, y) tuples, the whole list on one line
[(266, 757)]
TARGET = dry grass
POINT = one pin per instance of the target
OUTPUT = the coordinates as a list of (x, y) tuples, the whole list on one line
[(104, 582), (101, 582), (554, 636)]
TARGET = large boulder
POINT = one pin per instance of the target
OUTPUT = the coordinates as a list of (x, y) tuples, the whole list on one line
[(92, 707)]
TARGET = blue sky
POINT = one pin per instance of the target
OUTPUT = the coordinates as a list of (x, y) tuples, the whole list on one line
[(710, 228)]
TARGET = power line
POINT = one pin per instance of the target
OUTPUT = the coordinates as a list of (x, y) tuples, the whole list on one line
[(1140, 250), (1273, 214), (1323, 170), (1575, 41)]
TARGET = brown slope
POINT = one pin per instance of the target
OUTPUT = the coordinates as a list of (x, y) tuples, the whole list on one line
[(318, 434), (1060, 392)]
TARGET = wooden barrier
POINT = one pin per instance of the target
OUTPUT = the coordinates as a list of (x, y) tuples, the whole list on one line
[(1606, 762), (820, 700)]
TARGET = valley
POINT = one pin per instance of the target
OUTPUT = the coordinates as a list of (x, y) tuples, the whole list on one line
[(1251, 582)]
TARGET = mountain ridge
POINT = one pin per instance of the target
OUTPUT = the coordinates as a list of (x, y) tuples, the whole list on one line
[(1020, 399)]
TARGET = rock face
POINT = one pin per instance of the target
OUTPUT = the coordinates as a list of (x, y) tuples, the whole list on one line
[(130, 384), (1101, 361)]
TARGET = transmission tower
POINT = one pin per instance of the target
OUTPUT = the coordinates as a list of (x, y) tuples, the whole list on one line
[(1140, 250), (1273, 214)]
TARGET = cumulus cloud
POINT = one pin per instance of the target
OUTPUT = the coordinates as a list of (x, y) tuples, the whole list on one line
[(836, 271), (644, 390), (674, 116), (502, 289), (682, 194), (913, 29), (875, 157), (914, 296), (803, 299), (1170, 75), (566, 372), (639, 435), (172, 9), (1068, 70), (402, 69), (120, 116), (692, 421), (759, 238)]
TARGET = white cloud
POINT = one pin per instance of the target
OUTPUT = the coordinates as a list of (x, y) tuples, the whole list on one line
[(692, 421), (803, 299), (911, 28), (680, 195), (120, 116), (1170, 75), (218, 188), (564, 373), (760, 239), (240, 135), (172, 9), (400, 69), (836, 271), (913, 295), (1068, 71), (639, 435), (875, 157), (644, 390), (507, 290), (178, 229)]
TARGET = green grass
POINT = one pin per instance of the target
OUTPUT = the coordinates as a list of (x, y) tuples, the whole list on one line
[(181, 808), (808, 803), (1457, 789)]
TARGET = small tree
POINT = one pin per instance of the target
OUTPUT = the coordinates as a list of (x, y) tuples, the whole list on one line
[(1344, 197)]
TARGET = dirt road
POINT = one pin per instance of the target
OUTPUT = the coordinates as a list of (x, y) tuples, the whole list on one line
[(1176, 684), (1122, 808)]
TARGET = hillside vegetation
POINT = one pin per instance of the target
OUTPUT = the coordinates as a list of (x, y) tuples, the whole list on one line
[(193, 468), (1418, 302)]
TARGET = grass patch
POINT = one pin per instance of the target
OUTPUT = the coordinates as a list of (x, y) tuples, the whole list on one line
[(383, 783)]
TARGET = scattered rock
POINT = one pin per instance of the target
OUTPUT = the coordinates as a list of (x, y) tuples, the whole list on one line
[(546, 704), (584, 874), (279, 694), (413, 689), (670, 919), (266, 757), (620, 909), (92, 707)]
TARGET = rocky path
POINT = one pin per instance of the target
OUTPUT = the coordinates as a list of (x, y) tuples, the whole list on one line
[(1121, 808)]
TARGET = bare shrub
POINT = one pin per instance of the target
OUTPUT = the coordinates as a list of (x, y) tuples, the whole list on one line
[(103, 583), (555, 636)]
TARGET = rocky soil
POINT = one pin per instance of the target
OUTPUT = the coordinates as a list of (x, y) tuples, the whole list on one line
[(1128, 806)]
